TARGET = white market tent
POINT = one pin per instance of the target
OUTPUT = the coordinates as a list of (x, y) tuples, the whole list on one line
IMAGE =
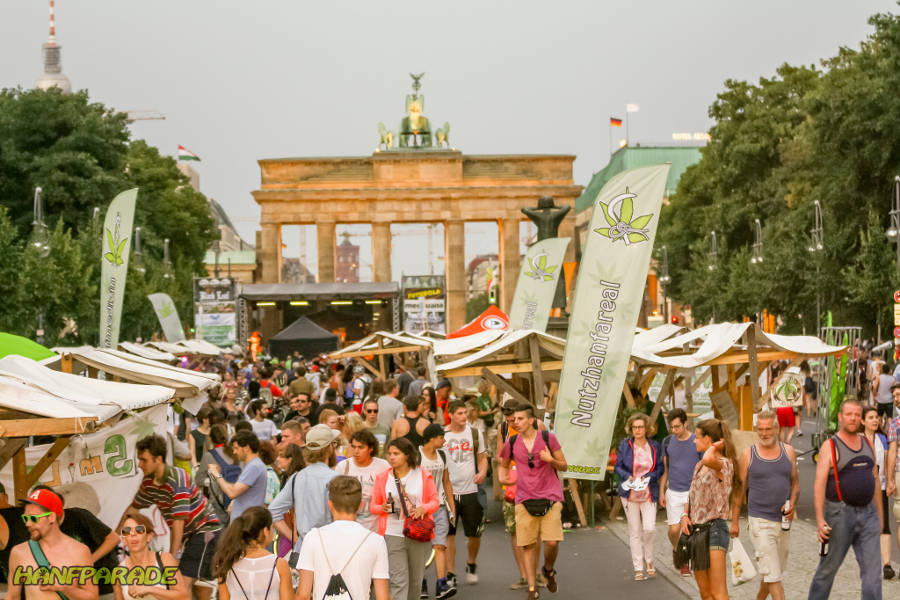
[(36, 400), (198, 347), (147, 352)]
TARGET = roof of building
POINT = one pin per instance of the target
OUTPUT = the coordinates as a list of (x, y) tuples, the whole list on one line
[(630, 157), (237, 257), (290, 291)]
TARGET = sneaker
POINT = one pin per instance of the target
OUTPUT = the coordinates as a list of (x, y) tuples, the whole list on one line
[(685, 571), (423, 595), (533, 594), (521, 584), (888, 571), (550, 574), (540, 580), (451, 580), (444, 590), (471, 575)]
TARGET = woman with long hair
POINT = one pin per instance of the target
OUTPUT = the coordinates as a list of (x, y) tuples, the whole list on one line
[(290, 460), (639, 466), (404, 490), (432, 412), (875, 436), (137, 532), (714, 487), (267, 454), (199, 442), (243, 564)]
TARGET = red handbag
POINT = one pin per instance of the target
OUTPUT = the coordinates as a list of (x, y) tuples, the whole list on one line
[(419, 530)]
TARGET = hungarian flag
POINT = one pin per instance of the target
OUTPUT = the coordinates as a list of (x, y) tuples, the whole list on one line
[(613, 122), (185, 154)]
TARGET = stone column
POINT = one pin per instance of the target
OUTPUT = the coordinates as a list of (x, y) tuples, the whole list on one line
[(326, 250), (567, 229), (509, 261), (270, 253), (381, 252), (455, 269)]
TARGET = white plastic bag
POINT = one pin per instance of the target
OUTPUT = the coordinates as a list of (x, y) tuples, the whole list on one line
[(742, 568)]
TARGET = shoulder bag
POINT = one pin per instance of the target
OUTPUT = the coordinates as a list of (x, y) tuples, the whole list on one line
[(419, 530)]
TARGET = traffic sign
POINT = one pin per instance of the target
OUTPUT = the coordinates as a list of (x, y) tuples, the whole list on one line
[(897, 332), (897, 297)]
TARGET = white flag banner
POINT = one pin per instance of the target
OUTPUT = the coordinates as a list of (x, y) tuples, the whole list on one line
[(608, 296)]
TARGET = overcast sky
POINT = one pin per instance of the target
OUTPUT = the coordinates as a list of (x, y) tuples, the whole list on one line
[(239, 81)]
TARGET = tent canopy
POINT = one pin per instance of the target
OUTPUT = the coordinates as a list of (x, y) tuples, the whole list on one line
[(305, 337), (147, 352), (491, 319), (16, 344), (501, 357)]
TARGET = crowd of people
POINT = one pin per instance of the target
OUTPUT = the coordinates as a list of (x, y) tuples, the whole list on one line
[(311, 479)]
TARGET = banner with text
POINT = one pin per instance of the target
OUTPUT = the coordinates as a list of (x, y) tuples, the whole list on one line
[(114, 265), (98, 471), (168, 317), (538, 278), (609, 293)]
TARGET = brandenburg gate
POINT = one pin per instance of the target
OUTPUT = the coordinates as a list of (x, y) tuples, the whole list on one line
[(417, 182)]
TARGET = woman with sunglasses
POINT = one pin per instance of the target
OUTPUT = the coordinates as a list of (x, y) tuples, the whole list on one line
[(639, 466), (245, 567), (137, 532)]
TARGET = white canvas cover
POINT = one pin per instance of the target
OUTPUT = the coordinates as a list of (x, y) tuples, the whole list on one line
[(175, 349), (465, 344), (147, 352), (201, 347), (550, 343), (389, 339), (93, 397), (212, 377)]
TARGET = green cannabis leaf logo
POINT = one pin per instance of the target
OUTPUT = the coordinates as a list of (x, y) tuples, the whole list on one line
[(621, 225), (539, 269), (116, 248), (166, 309), (789, 390)]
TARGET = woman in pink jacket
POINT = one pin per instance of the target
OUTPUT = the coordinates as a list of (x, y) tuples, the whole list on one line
[(406, 557)]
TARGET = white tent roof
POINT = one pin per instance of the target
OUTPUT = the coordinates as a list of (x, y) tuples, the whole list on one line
[(167, 347), (716, 340), (147, 352), (370, 342), (465, 344), (550, 343), (36, 389), (201, 347), (187, 383), (213, 377)]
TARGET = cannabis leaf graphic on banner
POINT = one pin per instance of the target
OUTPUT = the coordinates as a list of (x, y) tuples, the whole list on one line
[(166, 309), (116, 248), (619, 215), (539, 269)]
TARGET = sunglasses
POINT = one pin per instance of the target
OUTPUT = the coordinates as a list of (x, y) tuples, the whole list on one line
[(35, 518), (136, 529), (372, 412), (530, 460)]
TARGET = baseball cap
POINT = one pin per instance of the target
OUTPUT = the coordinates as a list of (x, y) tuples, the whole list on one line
[(46, 499), (320, 436), (443, 383), (432, 431)]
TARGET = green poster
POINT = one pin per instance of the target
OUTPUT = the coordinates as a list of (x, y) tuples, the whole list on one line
[(168, 317), (114, 265), (537, 284), (608, 295)]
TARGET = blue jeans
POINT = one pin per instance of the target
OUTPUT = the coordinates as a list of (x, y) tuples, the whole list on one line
[(850, 526)]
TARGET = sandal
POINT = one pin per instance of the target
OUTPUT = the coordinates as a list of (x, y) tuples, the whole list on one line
[(638, 575), (651, 570)]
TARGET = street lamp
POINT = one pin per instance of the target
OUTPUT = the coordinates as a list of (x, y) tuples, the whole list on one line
[(713, 251), (138, 255), (664, 279), (893, 231), (757, 257), (167, 262), (817, 244), (40, 235)]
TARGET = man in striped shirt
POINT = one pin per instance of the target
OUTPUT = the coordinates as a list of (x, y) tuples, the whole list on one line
[(194, 527)]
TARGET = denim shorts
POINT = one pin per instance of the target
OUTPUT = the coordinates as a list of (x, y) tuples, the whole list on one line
[(719, 535)]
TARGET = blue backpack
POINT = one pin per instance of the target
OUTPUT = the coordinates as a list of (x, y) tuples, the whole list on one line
[(230, 473)]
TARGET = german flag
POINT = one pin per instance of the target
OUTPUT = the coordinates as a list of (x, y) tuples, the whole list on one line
[(615, 122)]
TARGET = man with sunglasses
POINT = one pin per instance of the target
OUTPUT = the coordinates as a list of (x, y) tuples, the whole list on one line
[(539, 494), (48, 546), (371, 413)]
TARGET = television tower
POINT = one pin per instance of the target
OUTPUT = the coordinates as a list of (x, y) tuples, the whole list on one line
[(52, 52)]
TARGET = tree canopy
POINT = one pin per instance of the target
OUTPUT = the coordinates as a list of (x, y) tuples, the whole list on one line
[(808, 133), (81, 155)]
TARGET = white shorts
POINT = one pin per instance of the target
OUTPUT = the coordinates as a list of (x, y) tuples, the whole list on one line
[(770, 542), (675, 503)]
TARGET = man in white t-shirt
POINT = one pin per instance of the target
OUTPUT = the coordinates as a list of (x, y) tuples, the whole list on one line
[(364, 464), (434, 460), (467, 464), (343, 548)]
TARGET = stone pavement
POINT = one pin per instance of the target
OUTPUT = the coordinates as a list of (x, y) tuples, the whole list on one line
[(803, 559)]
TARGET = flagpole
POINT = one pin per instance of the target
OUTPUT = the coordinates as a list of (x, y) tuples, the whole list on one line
[(626, 126)]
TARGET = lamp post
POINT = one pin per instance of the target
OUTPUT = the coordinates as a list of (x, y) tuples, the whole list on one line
[(40, 235), (167, 262), (138, 255), (817, 244), (893, 231), (664, 279), (757, 256), (713, 251)]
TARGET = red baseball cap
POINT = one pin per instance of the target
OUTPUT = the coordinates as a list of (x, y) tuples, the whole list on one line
[(46, 499)]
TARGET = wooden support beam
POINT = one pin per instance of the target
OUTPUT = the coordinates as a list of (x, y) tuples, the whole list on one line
[(762, 355), (502, 385), (753, 365), (381, 368), (714, 373), (741, 370), (732, 384), (629, 399), (579, 508), (52, 454), (50, 426), (11, 446), (369, 366), (65, 362), (20, 475), (663, 392), (647, 380), (504, 369), (534, 350), (380, 350), (698, 381)]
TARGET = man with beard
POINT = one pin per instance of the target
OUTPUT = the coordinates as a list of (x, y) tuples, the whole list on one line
[(768, 472), (48, 546)]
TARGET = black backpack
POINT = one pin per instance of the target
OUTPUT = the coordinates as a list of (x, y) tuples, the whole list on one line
[(337, 587)]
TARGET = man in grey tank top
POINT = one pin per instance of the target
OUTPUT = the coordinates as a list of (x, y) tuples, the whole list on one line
[(769, 479)]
